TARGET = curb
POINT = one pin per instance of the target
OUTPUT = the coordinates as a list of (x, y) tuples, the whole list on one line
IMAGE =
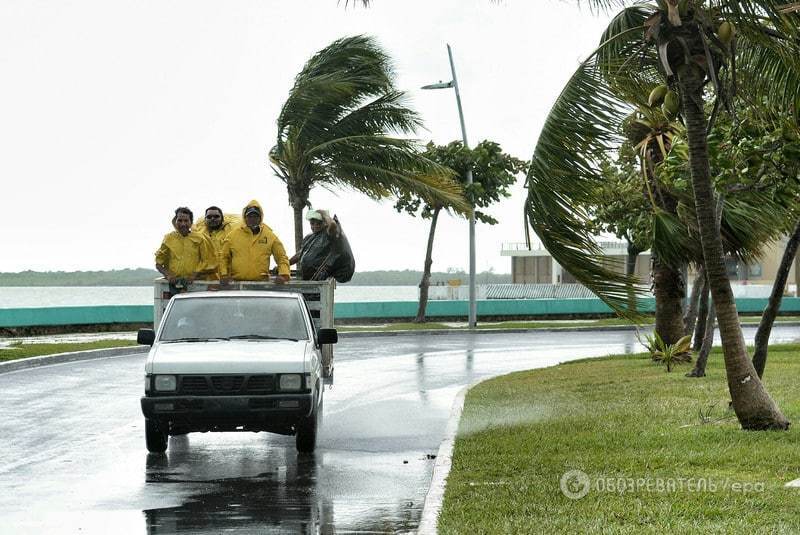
[(441, 468), (74, 356)]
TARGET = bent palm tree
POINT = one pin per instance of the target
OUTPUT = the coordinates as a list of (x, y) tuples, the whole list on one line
[(682, 46), (334, 130)]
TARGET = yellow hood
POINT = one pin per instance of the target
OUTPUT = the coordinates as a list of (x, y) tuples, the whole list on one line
[(256, 204)]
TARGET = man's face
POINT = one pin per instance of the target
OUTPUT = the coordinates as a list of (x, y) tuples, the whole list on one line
[(315, 224), (252, 219), (183, 223), (213, 219)]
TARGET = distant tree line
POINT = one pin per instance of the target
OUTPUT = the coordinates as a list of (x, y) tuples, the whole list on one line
[(409, 277), (145, 277), (116, 277)]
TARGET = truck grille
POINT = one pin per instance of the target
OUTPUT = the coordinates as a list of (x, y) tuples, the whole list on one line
[(258, 384), (194, 384), (226, 385)]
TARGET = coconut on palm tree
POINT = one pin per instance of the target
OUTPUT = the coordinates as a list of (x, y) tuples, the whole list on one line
[(343, 126)]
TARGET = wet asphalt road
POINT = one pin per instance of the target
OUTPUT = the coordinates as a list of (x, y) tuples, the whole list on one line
[(73, 460)]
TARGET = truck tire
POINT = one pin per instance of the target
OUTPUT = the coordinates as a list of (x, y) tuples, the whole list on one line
[(155, 438), (306, 436)]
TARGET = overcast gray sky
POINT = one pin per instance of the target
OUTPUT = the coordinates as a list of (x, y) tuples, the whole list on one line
[(112, 113)]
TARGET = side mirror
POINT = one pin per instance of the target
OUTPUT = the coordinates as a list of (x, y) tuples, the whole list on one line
[(327, 336), (146, 337)]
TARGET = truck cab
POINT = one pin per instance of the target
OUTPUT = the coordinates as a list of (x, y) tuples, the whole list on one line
[(235, 360)]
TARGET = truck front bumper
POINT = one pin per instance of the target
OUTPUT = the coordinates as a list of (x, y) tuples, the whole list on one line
[(228, 412)]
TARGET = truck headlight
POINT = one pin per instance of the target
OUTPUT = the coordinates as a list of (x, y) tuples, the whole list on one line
[(290, 381), (165, 383), (147, 383)]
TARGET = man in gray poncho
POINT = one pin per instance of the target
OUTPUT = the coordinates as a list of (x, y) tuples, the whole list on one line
[(325, 252)]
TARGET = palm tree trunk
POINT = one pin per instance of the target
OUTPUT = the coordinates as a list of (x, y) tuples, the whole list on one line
[(630, 262), (630, 269), (669, 302), (298, 227), (699, 369), (298, 199), (774, 305), (754, 408), (702, 318), (690, 319), (425, 283)]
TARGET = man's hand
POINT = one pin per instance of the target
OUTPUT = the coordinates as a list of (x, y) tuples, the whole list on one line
[(281, 279)]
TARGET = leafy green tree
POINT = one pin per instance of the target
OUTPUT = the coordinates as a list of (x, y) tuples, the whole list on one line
[(335, 130), (649, 203), (768, 158), (493, 172), (691, 46)]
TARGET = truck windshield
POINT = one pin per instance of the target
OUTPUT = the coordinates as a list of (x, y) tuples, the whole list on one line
[(224, 318)]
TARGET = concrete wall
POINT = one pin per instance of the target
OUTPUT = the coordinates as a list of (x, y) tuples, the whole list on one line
[(538, 269)]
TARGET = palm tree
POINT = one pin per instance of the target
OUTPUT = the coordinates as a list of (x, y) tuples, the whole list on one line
[(688, 45), (334, 130)]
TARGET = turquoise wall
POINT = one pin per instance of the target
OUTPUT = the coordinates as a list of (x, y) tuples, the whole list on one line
[(25, 317)]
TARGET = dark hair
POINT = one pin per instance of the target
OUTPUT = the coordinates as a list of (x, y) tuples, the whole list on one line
[(184, 210), (217, 208)]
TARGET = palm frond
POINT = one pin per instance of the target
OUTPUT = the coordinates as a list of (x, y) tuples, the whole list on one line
[(336, 128), (389, 113), (565, 172), (765, 18), (769, 75), (672, 243)]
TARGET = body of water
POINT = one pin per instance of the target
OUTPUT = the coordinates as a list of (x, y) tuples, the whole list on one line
[(57, 296)]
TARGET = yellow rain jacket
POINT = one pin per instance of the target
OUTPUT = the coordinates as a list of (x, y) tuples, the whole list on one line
[(230, 222), (186, 255), (245, 256), (217, 237)]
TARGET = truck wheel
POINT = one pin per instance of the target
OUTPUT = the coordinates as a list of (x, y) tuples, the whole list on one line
[(306, 436), (155, 438)]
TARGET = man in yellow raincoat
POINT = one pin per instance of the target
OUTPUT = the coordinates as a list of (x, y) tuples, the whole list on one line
[(216, 226), (185, 254), (246, 250)]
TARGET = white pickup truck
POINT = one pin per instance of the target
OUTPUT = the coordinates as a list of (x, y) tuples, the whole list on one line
[(247, 357)]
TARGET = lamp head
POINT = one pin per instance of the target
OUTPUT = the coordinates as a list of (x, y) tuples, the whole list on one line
[(440, 85)]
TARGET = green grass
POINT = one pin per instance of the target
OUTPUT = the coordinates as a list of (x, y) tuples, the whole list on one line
[(623, 417), (21, 351)]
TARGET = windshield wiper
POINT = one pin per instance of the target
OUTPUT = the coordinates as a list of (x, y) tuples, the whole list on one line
[(260, 337), (196, 340)]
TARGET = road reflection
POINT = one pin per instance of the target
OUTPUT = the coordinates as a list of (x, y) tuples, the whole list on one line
[(282, 497), (273, 490)]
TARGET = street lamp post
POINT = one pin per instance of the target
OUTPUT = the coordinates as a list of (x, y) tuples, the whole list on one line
[(473, 309)]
